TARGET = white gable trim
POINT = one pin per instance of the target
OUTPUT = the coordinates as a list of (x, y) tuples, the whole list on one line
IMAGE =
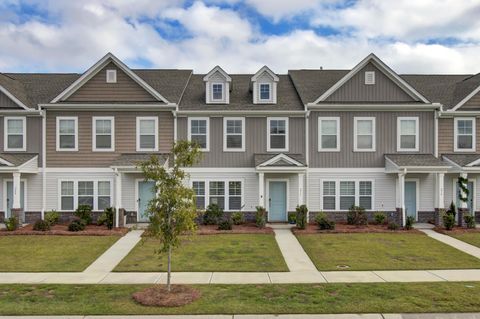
[(465, 100), (220, 70), (279, 157), (382, 67), (5, 162), (475, 162), (263, 70), (13, 98), (93, 70)]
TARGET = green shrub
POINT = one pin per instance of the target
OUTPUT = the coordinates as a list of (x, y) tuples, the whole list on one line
[(301, 217), (292, 218), (448, 221), (212, 214), (260, 219), (41, 225), (469, 221), (452, 210), (107, 217), (84, 212), (392, 226), (379, 218), (77, 225), (11, 223), (52, 217), (323, 222), (238, 218), (409, 222), (356, 216), (225, 224)]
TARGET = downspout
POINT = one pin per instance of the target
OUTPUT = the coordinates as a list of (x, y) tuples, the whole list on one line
[(44, 163), (307, 156), (435, 142)]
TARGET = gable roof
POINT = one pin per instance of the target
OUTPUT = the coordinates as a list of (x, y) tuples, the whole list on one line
[(281, 159), (463, 160), (464, 91), (109, 57), (263, 70), (219, 70)]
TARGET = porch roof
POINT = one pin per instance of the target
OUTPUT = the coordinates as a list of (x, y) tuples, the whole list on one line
[(414, 163), (19, 162), (132, 160), (279, 162), (463, 160)]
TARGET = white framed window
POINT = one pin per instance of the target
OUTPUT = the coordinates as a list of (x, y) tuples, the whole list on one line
[(111, 76), (15, 133), (265, 92), (94, 193), (147, 133), (370, 77), (217, 92), (277, 134), (198, 131), (103, 134), (67, 133), (341, 194), (328, 134), (464, 136), (407, 134), (233, 134), (364, 134), (227, 194)]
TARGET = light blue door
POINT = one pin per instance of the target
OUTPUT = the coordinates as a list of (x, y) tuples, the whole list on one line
[(10, 197), (145, 194), (277, 210), (470, 196), (411, 198)]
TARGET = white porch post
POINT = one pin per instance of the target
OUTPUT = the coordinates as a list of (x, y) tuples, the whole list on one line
[(462, 193), (441, 190), (118, 196), (261, 190), (301, 182), (16, 190), (401, 196)]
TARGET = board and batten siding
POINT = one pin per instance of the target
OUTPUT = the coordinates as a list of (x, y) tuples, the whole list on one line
[(7, 103), (446, 135), (255, 141), (355, 89), (98, 90), (125, 138), (386, 138), (34, 136)]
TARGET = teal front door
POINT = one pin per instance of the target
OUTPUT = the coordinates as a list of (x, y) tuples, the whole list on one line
[(411, 198), (470, 196), (10, 197), (277, 207), (145, 194)]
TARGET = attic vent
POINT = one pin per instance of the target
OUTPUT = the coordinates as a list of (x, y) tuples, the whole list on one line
[(111, 76), (370, 77)]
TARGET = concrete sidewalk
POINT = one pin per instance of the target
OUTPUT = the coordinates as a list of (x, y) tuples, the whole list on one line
[(455, 243)]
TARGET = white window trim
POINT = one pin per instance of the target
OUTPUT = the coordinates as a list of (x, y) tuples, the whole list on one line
[(319, 135), (75, 119), (94, 134), (114, 79), (455, 135), (227, 191), (148, 118), (75, 192), (269, 148), (207, 119), (372, 74), (24, 134), (417, 134), (225, 147), (355, 134), (337, 192), (223, 92), (270, 99)]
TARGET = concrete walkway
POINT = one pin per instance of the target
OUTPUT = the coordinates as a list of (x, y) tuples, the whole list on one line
[(114, 255), (455, 243)]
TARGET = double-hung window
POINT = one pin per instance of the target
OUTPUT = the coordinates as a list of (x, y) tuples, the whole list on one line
[(217, 91), (341, 195), (329, 198), (15, 134), (227, 194), (265, 92), (85, 193), (95, 193), (407, 134), (103, 195), (234, 195), (103, 133), (347, 194), (67, 195), (147, 134), (277, 139), (67, 134), (198, 128), (199, 189), (217, 193), (364, 138), (464, 134), (234, 134), (328, 134)]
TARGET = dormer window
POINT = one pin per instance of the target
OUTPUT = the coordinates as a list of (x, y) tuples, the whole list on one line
[(370, 78), (217, 86), (217, 91), (264, 84), (265, 94), (111, 76)]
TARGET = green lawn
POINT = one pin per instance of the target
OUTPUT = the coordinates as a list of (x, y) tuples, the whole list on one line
[(51, 253), (385, 251), (228, 299), (230, 252), (471, 238)]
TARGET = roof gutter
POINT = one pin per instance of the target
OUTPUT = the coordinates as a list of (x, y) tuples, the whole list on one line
[(366, 106), (242, 112), (109, 106)]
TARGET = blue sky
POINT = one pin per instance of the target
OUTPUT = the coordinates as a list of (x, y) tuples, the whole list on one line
[(423, 36)]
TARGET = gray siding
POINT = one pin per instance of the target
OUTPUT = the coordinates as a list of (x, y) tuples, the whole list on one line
[(7, 103), (446, 135), (34, 136), (384, 89), (255, 141), (386, 138)]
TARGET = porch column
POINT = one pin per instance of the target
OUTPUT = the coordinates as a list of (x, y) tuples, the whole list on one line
[(301, 182), (118, 199), (441, 190), (261, 190), (401, 198), (463, 209), (16, 191)]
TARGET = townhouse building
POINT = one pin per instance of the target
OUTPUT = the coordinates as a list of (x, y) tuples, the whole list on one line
[(329, 139)]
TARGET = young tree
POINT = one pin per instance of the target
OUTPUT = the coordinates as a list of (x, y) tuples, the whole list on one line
[(172, 211)]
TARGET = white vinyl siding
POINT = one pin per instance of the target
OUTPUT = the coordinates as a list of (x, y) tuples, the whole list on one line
[(407, 134), (328, 134), (364, 134), (233, 134), (464, 136), (67, 134), (15, 134), (103, 135), (147, 134)]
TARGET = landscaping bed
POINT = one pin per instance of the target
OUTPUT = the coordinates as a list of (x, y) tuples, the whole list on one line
[(236, 229), (347, 228), (62, 230)]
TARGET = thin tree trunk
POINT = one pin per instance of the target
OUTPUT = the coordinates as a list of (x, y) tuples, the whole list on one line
[(169, 267)]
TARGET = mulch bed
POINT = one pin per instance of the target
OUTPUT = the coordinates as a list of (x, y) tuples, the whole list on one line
[(456, 230), (158, 296), (62, 230), (343, 228), (249, 228)]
